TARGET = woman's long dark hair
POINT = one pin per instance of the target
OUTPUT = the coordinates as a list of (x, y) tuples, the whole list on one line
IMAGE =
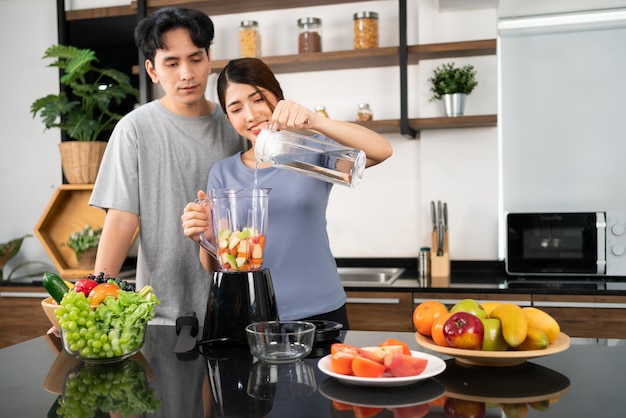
[(251, 71)]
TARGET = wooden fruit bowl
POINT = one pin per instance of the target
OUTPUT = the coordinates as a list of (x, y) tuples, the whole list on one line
[(494, 358)]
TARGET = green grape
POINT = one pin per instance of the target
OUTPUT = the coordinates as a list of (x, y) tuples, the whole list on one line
[(121, 388), (113, 329)]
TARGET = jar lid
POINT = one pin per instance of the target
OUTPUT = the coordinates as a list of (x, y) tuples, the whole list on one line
[(364, 106), (246, 23), (320, 107), (365, 15), (304, 21)]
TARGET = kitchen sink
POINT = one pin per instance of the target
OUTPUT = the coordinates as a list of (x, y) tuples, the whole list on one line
[(371, 276)]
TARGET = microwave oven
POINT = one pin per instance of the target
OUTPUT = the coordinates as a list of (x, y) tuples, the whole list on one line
[(566, 243)]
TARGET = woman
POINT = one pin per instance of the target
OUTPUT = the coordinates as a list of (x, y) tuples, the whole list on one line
[(303, 269)]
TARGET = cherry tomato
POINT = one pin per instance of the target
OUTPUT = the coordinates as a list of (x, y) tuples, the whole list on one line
[(100, 292)]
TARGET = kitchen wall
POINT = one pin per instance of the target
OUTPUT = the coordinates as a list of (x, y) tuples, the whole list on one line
[(386, 216)]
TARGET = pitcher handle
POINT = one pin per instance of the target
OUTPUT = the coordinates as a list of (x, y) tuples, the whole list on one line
[(201, 238)]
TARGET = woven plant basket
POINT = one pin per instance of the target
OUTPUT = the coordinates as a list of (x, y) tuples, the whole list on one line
[(81, 160)]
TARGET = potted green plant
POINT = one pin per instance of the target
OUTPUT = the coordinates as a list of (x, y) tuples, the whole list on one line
[(453, 84), (10, 249), (85, 242), (83, 107)]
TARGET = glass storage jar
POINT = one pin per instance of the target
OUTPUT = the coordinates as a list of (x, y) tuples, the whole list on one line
[(364, 113), (365, 30), (310, 35), (321, 110), (249, 39)]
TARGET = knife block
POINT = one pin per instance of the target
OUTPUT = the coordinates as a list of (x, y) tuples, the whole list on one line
[(439, 265)]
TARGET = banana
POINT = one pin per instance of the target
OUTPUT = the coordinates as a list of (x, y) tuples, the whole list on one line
[(514, 323), (541, 320), (489, 306), (535, 340)]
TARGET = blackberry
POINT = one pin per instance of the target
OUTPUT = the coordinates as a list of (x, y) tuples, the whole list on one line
[(102, 278)]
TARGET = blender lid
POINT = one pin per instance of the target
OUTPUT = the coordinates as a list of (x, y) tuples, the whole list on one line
[(326, 330)]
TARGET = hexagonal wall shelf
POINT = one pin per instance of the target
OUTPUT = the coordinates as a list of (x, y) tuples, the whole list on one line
[(68, 211)]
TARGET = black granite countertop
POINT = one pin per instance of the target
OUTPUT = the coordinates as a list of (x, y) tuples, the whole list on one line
[(586, 380)]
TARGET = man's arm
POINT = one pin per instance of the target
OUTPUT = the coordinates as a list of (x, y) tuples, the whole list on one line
[(117, 233)]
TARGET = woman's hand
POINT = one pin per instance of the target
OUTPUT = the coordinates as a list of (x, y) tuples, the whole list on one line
[(289, 114), (196, 218)]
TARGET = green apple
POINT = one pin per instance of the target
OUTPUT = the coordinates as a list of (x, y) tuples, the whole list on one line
[(471, 306), (493, 339)]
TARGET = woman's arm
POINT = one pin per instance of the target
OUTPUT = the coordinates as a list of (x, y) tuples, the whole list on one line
[(292, 115)]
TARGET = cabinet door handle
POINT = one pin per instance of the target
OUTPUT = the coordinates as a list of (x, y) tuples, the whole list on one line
[(417, 301), (38, 295), (380, 301), (602, 305)]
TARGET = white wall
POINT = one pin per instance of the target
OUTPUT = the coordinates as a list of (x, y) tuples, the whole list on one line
[(387, 215)]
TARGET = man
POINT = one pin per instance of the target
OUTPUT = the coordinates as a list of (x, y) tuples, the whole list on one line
[(158, 156)]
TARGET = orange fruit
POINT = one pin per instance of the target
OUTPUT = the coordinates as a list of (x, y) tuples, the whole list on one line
[(436, 331), (425, 313)]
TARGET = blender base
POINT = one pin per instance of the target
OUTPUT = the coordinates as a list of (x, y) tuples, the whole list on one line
[(236, 299)]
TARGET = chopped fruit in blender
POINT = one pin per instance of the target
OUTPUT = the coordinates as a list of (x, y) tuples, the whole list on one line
[(241, 250)]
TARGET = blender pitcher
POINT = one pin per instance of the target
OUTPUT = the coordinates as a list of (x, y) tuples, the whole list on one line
[(239, 218), (241, 290)]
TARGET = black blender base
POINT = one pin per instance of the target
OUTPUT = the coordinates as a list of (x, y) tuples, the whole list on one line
[(237, 299)]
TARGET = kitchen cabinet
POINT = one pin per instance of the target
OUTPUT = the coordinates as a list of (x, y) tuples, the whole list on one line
[(380, 311), (400, 56), (586, 316), (21, 313)]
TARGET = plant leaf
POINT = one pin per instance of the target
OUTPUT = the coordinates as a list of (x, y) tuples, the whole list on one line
[(8, 250)]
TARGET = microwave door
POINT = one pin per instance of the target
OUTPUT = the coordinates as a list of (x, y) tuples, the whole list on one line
[(555, 244)]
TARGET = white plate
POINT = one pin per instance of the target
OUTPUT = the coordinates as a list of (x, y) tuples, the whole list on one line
[(434, 367)]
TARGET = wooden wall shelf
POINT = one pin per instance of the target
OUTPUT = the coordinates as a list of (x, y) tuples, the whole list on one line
[(368, 58), (400, 56), (68, 211)]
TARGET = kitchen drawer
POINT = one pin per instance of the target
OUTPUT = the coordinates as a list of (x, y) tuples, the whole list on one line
[(586, 316), (22, 315), (380, 311)]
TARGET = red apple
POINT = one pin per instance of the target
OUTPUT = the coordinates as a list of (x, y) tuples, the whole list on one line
[(458, 408), (400, 365), (464, 330)]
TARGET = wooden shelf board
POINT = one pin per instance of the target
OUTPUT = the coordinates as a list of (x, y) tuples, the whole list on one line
[(220, 7), (100, 12), (469, 121)]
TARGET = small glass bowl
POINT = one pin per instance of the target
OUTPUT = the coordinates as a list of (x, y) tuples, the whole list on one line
[(102, 347), (277, 342)]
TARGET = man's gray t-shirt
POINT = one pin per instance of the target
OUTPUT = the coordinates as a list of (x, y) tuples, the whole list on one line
[(154, 164)]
